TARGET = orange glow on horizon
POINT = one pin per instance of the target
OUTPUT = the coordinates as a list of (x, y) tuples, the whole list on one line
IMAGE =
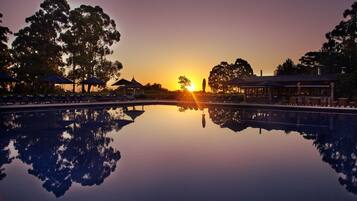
[(191, 88), (174, 85)]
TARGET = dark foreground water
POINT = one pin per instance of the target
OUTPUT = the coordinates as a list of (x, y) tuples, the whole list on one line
[(169, 153)]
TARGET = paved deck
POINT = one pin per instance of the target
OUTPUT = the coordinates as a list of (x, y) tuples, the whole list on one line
[(176, 102)]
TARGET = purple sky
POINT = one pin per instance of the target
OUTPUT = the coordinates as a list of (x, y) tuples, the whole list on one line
[(163, 39)]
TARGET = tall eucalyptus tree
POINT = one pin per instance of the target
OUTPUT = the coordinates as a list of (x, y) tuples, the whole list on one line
[(37, 48), (88, 40)]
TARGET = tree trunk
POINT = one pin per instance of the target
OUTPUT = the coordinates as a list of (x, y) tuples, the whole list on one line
[(83, 89), (89, 86), (74, 83)]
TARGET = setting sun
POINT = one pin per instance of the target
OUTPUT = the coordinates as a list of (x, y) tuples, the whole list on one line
[(191, 87)]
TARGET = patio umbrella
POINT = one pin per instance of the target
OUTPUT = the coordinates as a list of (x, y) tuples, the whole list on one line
[(93, 81), (56, 79), (122, 82), (6, 78)]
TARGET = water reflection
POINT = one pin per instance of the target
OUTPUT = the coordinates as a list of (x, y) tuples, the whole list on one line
[(333, 134), (64, 147), (203, 120)]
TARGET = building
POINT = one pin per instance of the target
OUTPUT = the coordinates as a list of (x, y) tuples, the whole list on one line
[(293, 89)]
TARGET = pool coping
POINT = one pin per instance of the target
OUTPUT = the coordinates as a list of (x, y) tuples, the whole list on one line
[(177, 102)]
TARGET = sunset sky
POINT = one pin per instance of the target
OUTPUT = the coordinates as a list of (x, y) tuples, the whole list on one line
[(163, 39)]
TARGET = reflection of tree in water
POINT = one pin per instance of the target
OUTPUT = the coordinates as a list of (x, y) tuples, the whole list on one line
[(188, 106), (68, 146), (40, 143), (89, 150), (332, 134), (4, 156), (339, 149), (203, 121), (227, 118), (7, 123)]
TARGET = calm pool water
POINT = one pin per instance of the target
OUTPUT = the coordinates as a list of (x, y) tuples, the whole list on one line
[(170, 153)]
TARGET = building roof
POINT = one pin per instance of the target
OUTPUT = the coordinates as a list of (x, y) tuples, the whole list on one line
[(136, 83), (121, 82), (275, 81)]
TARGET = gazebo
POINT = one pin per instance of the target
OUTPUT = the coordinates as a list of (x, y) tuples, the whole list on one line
[(125, 84), (135, 84)]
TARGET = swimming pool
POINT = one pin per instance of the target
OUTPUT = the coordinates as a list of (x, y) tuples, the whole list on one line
[(147, 153)]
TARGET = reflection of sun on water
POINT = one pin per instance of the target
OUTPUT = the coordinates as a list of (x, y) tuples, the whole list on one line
[(191, 87)]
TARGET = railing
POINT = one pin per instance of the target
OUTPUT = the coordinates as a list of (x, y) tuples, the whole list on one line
[(322, 101)]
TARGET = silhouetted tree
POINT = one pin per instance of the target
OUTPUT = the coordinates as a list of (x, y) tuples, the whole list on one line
[(153, 86), (37, 50), (242, 69), (287, 68), (224, 72), (342, 40), (345, 86), (337, 54), (218, 76), (340, 50), (184, 82), (310, 62), (5, 55), (88, 41), (204, 85), (330, 61), (156, 87)]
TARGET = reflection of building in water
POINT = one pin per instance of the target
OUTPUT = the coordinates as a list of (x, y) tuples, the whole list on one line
[(63, 147), (239, 119), (333, 135)]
